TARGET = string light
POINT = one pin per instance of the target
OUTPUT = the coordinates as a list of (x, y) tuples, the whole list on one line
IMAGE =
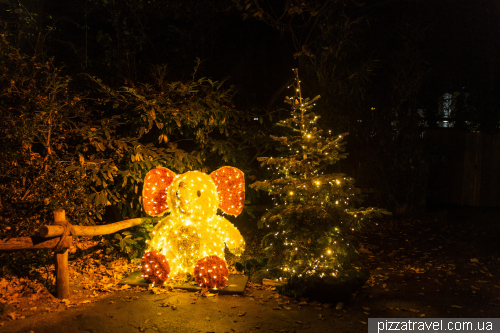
[(211, 272), (155, 267), (307, 202), (193, 229)]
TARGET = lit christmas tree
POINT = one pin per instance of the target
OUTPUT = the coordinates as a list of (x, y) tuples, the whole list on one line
[(314, 212)]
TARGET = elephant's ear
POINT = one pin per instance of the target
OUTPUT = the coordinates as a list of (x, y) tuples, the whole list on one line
[(230, 184), (154, 193)]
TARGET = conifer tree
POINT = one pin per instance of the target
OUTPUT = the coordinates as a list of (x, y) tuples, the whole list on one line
[(314, 212)]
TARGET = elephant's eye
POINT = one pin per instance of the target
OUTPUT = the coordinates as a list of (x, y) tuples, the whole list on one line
[(199, 193)]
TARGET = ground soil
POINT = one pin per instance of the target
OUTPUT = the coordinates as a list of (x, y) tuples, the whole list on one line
[(445, 264)]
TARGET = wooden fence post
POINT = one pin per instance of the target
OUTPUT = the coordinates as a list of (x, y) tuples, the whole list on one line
[(58, 237), (61, 261)]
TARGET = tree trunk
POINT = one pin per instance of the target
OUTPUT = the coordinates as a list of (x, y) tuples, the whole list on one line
[(119, 38), (40, 30)]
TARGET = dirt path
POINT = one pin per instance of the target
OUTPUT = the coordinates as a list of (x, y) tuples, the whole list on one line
[(445, 266), (440, 267), (258, 310)]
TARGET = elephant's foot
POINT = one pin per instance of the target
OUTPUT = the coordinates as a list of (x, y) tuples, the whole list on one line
[(155, 267), (211, 272)]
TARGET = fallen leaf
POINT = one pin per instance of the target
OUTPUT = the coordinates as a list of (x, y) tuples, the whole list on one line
[(366, 308), (241, 314), (12, 315), (298, 322), (339, 306), (456, 306)]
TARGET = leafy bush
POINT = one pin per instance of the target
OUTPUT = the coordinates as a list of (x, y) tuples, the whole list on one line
[(133, 241), (181, 126), (35, 107), (80, 144)]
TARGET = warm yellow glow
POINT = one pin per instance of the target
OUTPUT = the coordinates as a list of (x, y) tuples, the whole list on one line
[(193, 230)]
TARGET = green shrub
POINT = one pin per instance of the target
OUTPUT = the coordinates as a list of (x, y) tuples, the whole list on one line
[(82, 145)]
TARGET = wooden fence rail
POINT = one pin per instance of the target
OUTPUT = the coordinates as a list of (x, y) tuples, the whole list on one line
[(58, 236), (31, 243)]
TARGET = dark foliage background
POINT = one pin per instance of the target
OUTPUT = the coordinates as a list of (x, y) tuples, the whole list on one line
[(94, 93)]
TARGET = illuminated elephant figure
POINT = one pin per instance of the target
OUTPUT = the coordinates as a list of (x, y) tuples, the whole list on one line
[(192, 238)]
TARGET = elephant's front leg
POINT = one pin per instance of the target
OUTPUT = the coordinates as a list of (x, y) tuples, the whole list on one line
[(231, 236), (212, 244)]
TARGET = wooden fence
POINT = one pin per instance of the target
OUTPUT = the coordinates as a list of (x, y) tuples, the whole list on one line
[(59, 237), (468, 170)]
